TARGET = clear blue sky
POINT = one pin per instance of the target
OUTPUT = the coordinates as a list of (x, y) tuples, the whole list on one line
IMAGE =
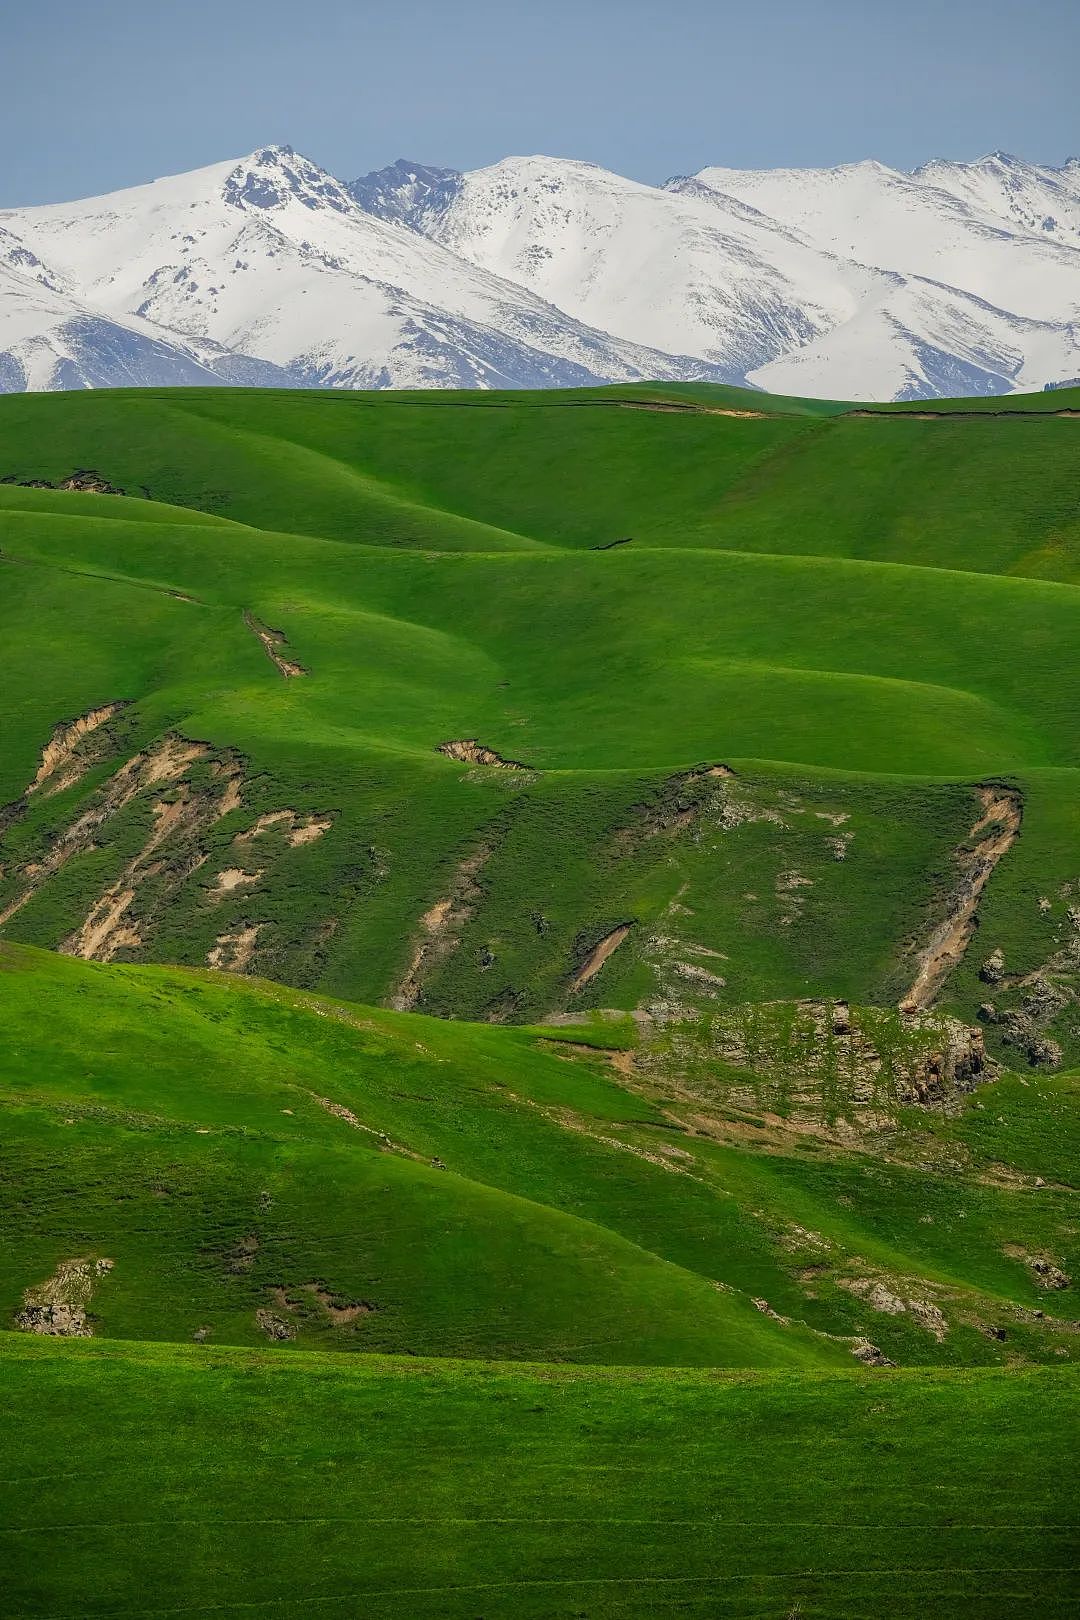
[(104, 93)]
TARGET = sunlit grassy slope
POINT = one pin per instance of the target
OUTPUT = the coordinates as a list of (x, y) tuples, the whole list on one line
[(757, 665), (486, 1191), (819, 600), (235, 1154)]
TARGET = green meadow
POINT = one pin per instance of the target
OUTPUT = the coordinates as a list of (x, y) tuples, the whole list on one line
[(251, 1482), (540, 1004)]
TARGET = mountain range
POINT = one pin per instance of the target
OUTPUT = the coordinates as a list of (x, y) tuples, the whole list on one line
[(859, 282)]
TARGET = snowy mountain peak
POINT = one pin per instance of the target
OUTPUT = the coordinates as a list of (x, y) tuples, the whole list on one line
[(404, 192), (276, 175)]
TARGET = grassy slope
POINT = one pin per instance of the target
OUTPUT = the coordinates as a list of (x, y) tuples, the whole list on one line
[(850, 593), (865, 617), (482, 1236), (164, 1120), (248, 1483)]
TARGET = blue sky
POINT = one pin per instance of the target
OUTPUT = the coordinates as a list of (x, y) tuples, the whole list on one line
[(105, 93)]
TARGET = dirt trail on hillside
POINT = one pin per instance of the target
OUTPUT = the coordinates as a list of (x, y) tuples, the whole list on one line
[(387, 1143), (998, 827)]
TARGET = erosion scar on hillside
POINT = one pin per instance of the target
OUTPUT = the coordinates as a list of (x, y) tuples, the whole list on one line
[(993, 835), (598, 956), (468, 751), (273, 644), (441, 928)]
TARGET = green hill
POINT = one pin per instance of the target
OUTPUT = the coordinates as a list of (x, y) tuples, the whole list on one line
[(239, 1149), (582, 878), (841, 609)]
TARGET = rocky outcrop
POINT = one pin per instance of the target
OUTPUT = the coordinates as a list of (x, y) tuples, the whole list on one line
[(813, 1064), (58, 1307)]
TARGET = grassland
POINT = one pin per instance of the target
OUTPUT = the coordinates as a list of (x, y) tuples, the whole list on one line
[(534, 930), (236, 1149), (864, 613), (248, 1482)]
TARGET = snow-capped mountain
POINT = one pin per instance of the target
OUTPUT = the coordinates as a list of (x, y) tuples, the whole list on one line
[(405, 192), (54, 340), (272, 258), (1025, 196), (696, 275), (908, 223), (859, 282)]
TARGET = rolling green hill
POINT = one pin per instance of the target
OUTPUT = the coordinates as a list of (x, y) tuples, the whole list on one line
[(578, 878), (841, 609), (236, 1148)]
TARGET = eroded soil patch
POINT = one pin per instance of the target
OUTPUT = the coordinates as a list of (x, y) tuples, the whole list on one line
[(992, 836), (599, 954), (235, 952), (231, 879), (86, 481), (65, 758), (961, 416), (296, 827), (179, 790), (341, 1311), (441, 928), (680, 804), (72, 750), (274, 642), (471, 752), (158, 769)]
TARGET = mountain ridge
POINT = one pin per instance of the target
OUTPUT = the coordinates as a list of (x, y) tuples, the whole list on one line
[(858, 282)]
